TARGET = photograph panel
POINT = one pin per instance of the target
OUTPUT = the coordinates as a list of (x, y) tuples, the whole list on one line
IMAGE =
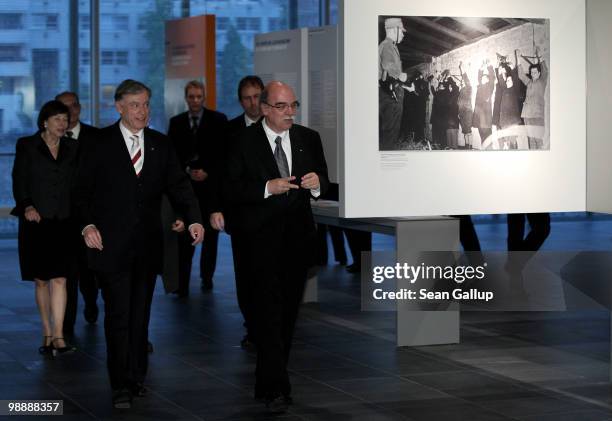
[(463, 83)]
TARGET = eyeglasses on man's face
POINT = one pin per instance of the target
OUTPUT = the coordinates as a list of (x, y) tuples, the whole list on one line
[(283, 106)]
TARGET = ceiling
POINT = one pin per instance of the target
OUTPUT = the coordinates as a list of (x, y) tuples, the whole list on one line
[(428, 37)]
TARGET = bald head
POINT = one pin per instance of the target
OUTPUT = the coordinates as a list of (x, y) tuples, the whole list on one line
[(279, 106)]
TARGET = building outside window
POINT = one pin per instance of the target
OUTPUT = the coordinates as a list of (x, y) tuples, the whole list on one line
[(10, 21), (45, 21), (34, 51)]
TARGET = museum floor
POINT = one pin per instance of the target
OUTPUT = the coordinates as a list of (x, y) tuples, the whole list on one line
[(344, 366)]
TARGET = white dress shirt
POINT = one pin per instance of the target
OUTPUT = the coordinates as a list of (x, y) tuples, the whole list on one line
[(248, 120), (76, 130), (128, 142), (286, 145)]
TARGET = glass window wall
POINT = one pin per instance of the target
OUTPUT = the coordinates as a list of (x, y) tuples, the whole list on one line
[(35, 57)]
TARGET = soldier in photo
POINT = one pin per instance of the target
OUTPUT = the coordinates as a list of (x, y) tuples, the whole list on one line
[(391, 80)]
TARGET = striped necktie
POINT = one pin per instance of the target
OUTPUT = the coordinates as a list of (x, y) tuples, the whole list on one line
[(136, 154)]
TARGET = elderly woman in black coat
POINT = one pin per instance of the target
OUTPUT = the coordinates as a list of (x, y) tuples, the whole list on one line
[(42, 177)]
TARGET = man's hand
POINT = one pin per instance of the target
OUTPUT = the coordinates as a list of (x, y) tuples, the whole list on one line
[(197, 233), (217, 221), (92, 238), (403, 77), (310, 181), (198, 175), (178, 226), (32, 215), (281, 185)]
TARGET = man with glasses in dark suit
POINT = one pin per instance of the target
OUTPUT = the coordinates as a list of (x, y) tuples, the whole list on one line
[(273, 171)]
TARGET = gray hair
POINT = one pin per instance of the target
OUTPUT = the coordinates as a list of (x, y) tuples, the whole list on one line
[(130, 87)]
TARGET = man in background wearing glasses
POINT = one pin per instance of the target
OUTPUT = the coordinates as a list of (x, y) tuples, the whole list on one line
[(273, 171)]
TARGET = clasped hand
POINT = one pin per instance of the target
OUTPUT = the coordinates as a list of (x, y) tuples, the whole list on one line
[(282, 185)]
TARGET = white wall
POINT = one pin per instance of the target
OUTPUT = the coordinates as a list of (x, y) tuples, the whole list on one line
[(377, 184)]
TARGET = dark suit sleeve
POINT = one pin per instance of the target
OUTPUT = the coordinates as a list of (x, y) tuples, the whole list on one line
[(237, 187), (320, 166), (21, 182), (216, 162), (173, 134), (212, 144), (179, 191), (84, 182)]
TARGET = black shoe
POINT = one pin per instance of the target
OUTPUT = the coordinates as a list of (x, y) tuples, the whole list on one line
[(91, 313), (180, 293), (277, 405), (122, 399), (66, 349), (207, 284), (138, 390), (47, 347), (354, 268), (341, 262), (149, 347)]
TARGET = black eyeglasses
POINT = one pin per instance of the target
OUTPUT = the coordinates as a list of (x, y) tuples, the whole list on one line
[(283, 106)]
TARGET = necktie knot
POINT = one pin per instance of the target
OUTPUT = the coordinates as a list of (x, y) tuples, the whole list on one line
[(69, 134), (135, 142), (194, 123), (278, 140)]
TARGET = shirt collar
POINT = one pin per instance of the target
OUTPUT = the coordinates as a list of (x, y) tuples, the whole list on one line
[(127, 133), (248, 120), (198, 115), (271, 134), (76, 130)]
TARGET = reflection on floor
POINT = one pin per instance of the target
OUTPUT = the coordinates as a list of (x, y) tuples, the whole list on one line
[(509, 366)]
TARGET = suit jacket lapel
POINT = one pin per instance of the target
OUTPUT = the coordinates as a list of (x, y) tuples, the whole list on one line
[(149, 154), (265, 152), (296, 153), (122, 151)]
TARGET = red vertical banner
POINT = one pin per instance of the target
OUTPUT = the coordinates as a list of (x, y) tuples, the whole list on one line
[(190, 54)]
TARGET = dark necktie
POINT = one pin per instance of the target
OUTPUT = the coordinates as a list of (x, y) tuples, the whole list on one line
[(69, 134), (281, 158), (194, 124)]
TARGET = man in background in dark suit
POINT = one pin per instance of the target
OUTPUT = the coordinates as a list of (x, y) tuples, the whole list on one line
[(273, 171), (84, 280), (121, 179), (249, 92), (198, 136)]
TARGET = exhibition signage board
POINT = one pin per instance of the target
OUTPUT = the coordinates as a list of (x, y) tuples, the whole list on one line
[(190, 54), (283, 56)]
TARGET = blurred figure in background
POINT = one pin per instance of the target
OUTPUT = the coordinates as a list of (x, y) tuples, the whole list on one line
[(84, 278)]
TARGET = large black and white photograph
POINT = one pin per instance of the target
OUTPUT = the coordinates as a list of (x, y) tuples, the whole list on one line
[(463, 83)]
